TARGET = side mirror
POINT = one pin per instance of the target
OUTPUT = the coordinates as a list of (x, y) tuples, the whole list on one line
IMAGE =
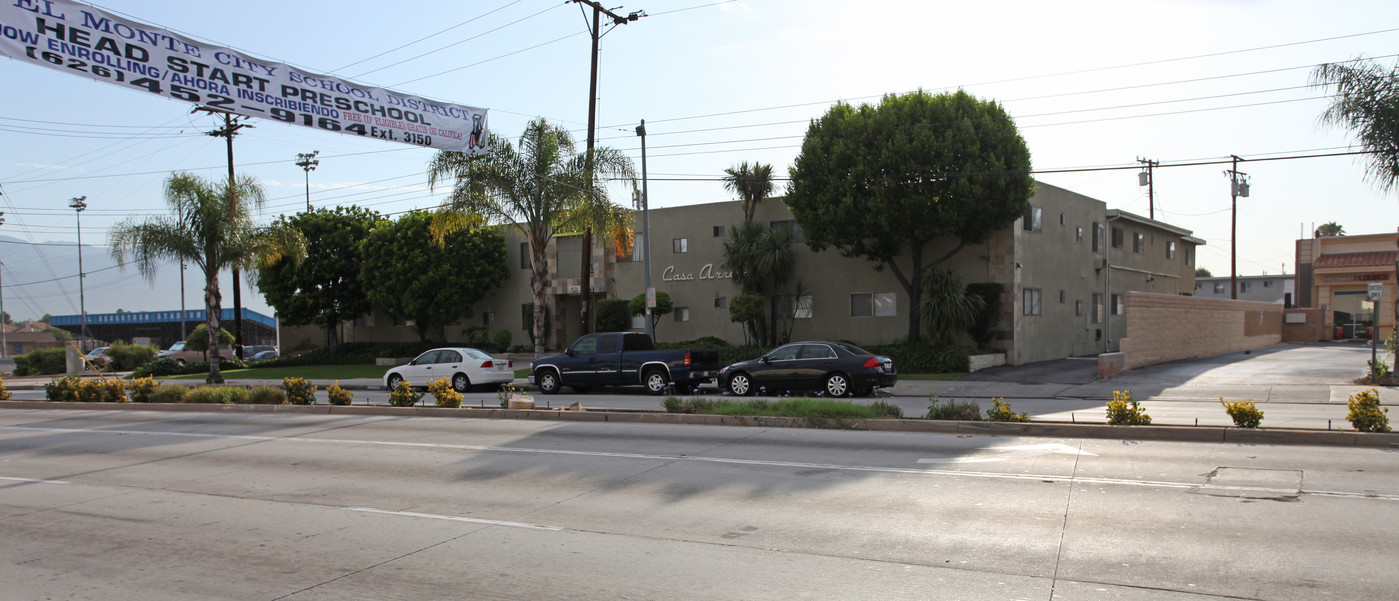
[(570, 353), (765, 359), (413, 362)]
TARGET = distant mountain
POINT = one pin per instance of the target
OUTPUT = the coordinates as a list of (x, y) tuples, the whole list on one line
[(43, 278)]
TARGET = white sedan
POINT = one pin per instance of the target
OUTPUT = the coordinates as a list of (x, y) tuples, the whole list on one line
[(466, 367)]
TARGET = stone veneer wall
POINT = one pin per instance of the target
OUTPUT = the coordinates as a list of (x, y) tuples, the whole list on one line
[(1163, 327)]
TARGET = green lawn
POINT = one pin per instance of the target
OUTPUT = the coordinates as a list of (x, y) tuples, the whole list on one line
[(310, 372)]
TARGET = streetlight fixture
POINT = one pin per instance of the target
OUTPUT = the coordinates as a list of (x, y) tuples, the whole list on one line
[(78, 204), (308, 163)]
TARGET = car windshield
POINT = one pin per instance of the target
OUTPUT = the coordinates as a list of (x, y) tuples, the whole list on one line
[(178, 346)]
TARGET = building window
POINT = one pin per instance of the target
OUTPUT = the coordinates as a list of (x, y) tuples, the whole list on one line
[(1078, 234), (1061, 220), (718, 231), (1098, 234), (1244, 286), (790, 226), (1171, 249), (1032, 219), (885, 304), (1219, 287), (524, 255), (1117, 237), (1097, 307), (1267, 283), (1117, 306), (1063, 296), (862, 304), (680, 245), (682, 314), (1030, 304), (721, 302), (1138, 242), (1078, 308)]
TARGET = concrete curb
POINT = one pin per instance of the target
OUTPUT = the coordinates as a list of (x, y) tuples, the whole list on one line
[(1276, 436)]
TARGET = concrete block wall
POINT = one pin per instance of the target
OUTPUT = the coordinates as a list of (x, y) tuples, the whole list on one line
[(1163, 327), (1304, 325)]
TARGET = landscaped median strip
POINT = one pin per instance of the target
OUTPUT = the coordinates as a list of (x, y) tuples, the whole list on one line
[(1035, 429)]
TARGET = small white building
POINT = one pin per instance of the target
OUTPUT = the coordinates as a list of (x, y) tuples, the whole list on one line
[(1279, 289)]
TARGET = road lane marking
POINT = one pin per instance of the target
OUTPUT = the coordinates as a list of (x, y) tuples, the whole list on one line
[(690, 458), (455, 518), (1009, 452), (34, 480)]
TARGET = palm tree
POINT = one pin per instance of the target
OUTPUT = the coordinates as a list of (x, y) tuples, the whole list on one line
[(540, 186), (751, 182), (1366, 103), (761, 260), (211, 227), (1331, 229)]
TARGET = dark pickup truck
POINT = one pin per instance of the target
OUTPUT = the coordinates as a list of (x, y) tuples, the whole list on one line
[(623, 359)]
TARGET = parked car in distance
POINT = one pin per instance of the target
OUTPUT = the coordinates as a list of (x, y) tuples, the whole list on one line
[(253, 352), (623, 359), (182, 355), (834, 369), (466, 367), (98, 357)]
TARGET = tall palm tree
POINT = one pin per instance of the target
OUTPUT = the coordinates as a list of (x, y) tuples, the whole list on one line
[(541, 186), (761, 260), (751, 182), (210, 226), (1366, 103)]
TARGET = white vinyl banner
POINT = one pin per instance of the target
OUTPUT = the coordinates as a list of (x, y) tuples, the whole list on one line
[(84, 40)]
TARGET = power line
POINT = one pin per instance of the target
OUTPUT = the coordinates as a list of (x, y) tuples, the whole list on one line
[(425, 38), (460, 43)]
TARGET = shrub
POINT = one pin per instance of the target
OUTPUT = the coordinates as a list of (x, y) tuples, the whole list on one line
[(1123, 410), (209, 395), (924, 358), (1366, 414), (506, 392), (403, 395), (164, 366), (126, 357), (475, 335), (983, 329), (674, 404), (267, 395), (442, 389), (299, 391), (1000, 411), (169, 394), (613, 315), (886, 409), (41, 362), (954, 410), (199, 339), (142, 389), (236, 395), (112, 390), (63, 390), (338, 395), (4, 394), (1245, 413), (502, 340)]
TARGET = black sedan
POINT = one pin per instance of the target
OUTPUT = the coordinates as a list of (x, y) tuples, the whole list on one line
[(834, 369)]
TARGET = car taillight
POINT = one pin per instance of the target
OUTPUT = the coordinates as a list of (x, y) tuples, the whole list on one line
[(487, 364), (873, 362), (687, 358), (511, 364)]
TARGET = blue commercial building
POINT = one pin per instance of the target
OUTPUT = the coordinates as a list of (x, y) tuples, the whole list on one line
[(164, 327)]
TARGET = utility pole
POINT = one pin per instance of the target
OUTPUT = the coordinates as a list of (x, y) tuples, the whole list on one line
[(586, 290), (78, 204), (1145, 179), (1237, 188), (3, 351), (230, 128), (646, 234), (308, 163)]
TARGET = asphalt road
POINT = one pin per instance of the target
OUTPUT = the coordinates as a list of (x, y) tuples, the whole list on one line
[(150, 505)]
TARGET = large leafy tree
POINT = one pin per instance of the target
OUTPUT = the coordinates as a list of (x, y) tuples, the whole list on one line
[(411, 276), (540, 186), (1366, 103), (884, 181), (752, 182), (211, 226), (324, 290)]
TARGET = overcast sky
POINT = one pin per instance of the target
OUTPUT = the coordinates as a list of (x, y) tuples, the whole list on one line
[(1091, 84)]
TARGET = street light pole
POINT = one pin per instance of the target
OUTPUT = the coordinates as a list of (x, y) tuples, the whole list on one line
[(3, 346), (78, 204), (646, 233), (308, 162)]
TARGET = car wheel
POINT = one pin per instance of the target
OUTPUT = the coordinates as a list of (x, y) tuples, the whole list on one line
[(581, 389), (394, 380), (180, 362), (655, 381), (461, 383), (837, 385), (740, 384), (548, 382)]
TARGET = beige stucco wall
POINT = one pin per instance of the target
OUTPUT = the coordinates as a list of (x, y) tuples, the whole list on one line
[(1162, 327)]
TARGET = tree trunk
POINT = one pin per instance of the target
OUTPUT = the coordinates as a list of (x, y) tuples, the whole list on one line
[(913, 287), (212, 302), (539, 276)]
